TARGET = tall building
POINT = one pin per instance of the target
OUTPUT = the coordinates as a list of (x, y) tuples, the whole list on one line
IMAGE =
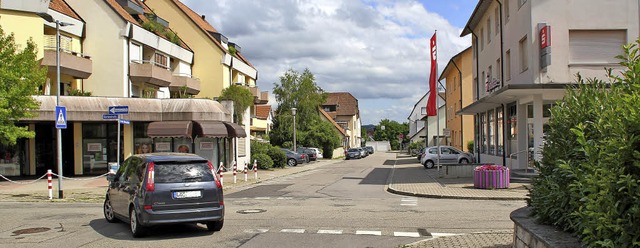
[(459, 79), (525, 53)]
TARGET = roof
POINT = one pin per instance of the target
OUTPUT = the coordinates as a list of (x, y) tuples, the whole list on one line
[(262, 111), (199, 20), (62, 7), (131, 17), (474, 19), (326, 115), (346, 104)]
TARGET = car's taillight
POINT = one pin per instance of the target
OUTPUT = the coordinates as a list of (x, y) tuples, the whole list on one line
[(150, 186), (148, 207), (215, 175)]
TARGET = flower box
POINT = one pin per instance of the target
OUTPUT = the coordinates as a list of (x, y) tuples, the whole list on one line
[(491, 177)]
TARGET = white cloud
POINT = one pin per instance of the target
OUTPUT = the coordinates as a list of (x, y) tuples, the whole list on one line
[(375, 49)]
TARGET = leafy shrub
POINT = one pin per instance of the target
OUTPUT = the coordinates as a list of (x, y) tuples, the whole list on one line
[(470, 146), (264, 161), (589, 181), (278, 157)]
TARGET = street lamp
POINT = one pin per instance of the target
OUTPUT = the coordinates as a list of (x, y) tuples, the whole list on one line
[(293, 112), (47, 17)]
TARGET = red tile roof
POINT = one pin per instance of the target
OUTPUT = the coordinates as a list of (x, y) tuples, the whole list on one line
[(205, 27), (346, 104), (262, 111), (62, 7), (326, 115)]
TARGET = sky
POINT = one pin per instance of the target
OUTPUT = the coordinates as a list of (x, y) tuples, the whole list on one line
[(377, 50)]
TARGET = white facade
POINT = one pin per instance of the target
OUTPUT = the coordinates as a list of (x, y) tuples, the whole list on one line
[(525, 53), (417, 120)]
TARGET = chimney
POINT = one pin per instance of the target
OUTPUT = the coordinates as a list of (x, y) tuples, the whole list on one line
[(202, 17)]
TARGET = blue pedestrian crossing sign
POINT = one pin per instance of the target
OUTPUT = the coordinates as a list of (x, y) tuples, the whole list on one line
[(61, 117)]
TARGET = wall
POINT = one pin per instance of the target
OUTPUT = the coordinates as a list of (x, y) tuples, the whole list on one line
[(24, 26)]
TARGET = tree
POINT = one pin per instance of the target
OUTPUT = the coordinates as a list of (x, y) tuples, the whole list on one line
[(392, 131), (242, 99), (20, 76), (300, 91)]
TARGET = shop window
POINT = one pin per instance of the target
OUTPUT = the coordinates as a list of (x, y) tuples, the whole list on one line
[(483, 133), (512, 128), (491, 132), (500, 132), (142, 142)]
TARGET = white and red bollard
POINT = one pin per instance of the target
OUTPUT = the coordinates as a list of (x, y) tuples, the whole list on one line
[(49, 184), (246, 168), (221, 173), (235, 169), (255, 169)]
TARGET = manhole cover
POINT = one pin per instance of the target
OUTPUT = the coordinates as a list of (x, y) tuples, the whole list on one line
[(251, 211), (30, 230)]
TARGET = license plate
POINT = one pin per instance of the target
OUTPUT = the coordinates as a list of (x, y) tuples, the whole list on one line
[(187, 194)]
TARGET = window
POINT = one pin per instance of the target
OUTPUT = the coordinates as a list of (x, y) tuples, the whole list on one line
[(161, 60), (488, 30), (484, 81), (506, 10), (524, 55), (507, 66), (483, 133), (500, 132), (595, 46), (490, 75), (491, 132), (423, 110), (481, 39), (497, 18), (512, 127)]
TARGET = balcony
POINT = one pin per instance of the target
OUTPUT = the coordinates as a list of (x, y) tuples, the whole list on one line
[(143, 71), (182, 82), (71, 63), (35, 6), (260, 97), (130, 6)]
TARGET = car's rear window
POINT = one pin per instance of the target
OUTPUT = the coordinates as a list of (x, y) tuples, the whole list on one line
[(354, 150), (182, 172)]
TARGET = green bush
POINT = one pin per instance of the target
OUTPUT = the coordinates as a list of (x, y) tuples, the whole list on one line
[(264, 161), (589, 181), (470, 146), (278, 157)]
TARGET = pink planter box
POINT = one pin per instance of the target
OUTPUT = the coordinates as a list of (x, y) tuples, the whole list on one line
[(491, 179)]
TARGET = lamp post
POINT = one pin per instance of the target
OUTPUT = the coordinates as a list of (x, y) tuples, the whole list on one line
[(47, 17), (293, 112)]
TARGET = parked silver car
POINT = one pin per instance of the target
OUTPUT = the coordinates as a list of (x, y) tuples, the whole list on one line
[(448, 155)]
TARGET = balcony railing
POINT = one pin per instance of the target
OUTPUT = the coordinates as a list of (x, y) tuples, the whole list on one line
[(145, 71), (185, 83), (260, 97)]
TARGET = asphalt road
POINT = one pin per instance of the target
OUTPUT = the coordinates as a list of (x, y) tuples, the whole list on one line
[(339, 205)]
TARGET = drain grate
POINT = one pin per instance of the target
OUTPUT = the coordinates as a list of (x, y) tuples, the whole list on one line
[(30, 230)]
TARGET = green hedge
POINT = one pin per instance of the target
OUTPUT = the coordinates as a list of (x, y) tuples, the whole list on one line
[(589, 181), (264, 161), (277, 156)]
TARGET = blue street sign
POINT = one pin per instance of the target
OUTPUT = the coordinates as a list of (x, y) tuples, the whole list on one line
[(126, 122), (119, 110), (61, 117), (109, 117)]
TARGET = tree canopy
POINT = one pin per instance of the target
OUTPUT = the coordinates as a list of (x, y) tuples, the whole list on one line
[(20, 76), (242, 99), (299, 90), (393, 131)]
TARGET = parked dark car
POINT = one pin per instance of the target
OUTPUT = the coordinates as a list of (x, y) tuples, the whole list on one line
[(293, 158), (311, 154), (165, 188), (369, 149), (352, 153)]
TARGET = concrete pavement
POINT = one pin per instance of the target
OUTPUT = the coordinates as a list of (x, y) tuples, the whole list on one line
[(408, 177)]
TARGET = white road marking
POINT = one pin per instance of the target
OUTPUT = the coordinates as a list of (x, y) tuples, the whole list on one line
[(292, 230), (262, 198), (330, 231), (443, 234), (406, 234), (409, 201), (256, 230), (284, 198), (377, 233)]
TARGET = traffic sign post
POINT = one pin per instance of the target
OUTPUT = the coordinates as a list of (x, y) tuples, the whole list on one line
[(118, 110), (109, 117), (114, 113), (126, 122), (61, 117)]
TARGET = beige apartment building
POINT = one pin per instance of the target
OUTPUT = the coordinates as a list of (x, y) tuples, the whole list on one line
[(525, 53), (125, 55), (459, 79), (343, 108)]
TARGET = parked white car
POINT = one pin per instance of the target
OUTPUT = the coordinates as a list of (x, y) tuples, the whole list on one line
[(318, 153)]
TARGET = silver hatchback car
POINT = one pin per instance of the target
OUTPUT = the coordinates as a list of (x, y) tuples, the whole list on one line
[(165, 188), (448, 155)]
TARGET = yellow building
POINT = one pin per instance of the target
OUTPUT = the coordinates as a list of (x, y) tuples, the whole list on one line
[(459, 79)]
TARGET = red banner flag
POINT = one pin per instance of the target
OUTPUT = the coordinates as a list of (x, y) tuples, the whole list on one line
[(432, 109)]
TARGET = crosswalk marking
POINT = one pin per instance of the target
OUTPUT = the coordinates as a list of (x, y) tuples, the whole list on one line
[(409, 201), (292, 230), (262, 198), (256, 230), (406, 234), (330, 231), (376, 233)]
